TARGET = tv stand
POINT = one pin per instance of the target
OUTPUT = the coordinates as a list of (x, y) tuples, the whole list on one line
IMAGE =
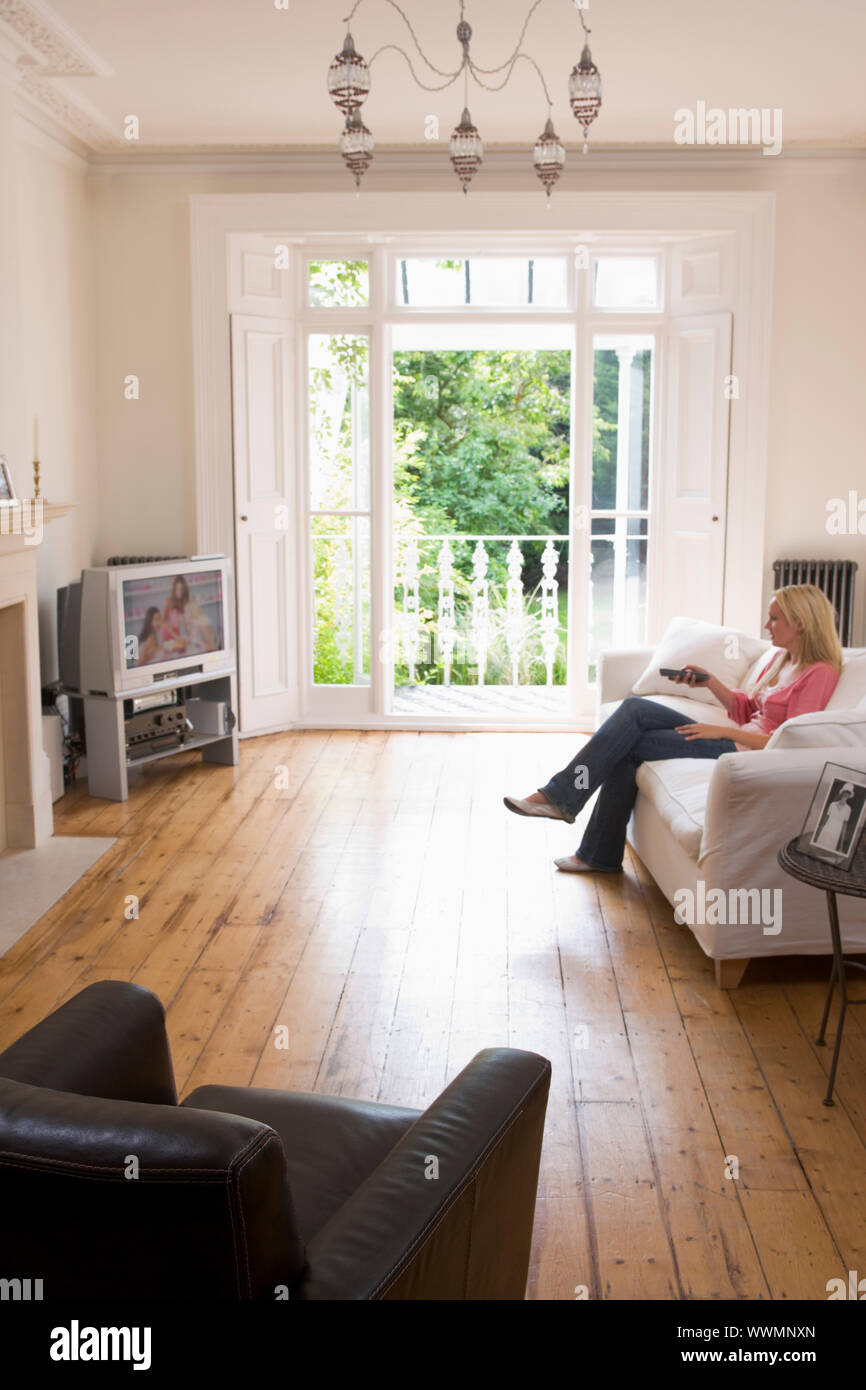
[(109, 763)]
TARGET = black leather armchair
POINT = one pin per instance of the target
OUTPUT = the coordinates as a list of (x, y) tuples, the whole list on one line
[(110, 1189)]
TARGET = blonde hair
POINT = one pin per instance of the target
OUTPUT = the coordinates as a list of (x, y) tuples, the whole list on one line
[(810, 607)]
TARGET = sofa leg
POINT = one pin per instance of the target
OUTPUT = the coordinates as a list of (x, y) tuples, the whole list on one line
[(729, 973)]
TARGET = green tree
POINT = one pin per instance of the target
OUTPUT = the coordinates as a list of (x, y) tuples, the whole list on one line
[(485, 438)]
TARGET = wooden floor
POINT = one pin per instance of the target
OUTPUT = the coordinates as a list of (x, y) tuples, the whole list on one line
[(379, 901)]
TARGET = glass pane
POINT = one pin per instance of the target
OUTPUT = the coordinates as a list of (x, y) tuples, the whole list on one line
[(341, 599), (625, 282), (488, 282), (618, 585), (620, 451), (339, 422), (605, 410), (338, 284)]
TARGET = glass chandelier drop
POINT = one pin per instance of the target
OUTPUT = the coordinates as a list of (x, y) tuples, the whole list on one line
[(548, 157), (584, 88), (356, 145), (349, 86), (467, 151)]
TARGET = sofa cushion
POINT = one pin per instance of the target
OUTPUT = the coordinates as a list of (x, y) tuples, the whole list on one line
[(851, 687), (724, 652), (678, 790)]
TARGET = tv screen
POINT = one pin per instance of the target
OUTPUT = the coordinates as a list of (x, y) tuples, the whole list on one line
[(172, 616)]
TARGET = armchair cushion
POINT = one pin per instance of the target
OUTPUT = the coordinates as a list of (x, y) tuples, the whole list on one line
[(331, 1144)]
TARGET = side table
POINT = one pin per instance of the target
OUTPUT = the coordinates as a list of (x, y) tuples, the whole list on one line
[(850, 882)]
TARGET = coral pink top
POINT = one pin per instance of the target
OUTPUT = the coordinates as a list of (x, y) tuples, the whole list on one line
[(774, 704)]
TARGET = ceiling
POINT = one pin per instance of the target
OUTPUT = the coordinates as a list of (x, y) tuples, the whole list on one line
[(229, 73)]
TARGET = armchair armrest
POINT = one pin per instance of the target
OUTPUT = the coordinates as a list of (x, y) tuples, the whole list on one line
[(448, 1213), (116, 1199), (107, 1041), (618, 670)]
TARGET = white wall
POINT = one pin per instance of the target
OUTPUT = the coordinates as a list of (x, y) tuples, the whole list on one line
[(141, 253), (56, 361)]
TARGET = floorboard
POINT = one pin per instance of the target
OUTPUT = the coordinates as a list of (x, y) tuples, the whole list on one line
[(366, 898)]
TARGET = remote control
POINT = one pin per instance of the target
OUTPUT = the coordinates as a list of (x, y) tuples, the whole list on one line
[(700, 676)]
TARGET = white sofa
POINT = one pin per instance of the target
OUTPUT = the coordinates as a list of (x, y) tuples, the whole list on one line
[(722, 822)]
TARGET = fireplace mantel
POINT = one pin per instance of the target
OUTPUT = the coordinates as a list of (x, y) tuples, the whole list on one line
[(26, 816), (18, 521)]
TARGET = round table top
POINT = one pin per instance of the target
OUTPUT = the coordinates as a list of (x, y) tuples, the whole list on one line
[(802, 866)]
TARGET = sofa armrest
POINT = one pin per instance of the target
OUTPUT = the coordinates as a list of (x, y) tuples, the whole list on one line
[(107, 1041), (618, 670), (841, 728), (757, 801), (448, 1213)]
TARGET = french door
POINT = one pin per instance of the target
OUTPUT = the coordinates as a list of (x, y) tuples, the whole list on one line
[(471, 483)]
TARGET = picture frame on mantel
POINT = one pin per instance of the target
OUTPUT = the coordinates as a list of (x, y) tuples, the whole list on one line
[(7, 487)]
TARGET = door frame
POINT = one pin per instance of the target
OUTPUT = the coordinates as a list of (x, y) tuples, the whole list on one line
[(632, 219)]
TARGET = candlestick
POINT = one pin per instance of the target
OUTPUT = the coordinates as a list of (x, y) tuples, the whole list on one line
[(35, 478)]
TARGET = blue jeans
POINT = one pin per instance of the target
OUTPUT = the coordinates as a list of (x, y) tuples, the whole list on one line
[(638, 732)]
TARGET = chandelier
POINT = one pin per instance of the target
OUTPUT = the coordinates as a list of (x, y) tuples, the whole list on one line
[(349, 87)]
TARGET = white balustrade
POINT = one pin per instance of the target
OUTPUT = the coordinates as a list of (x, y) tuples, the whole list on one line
[(411, 618), (549, 607), (484, 624), (480, 608), (515, 620), (447, 626)]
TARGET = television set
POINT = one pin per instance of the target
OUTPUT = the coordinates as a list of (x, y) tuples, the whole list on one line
[(146, 624)]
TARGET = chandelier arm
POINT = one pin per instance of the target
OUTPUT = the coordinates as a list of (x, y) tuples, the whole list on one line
[(452, 77), (407, 22), (489, 87), (490, 71)]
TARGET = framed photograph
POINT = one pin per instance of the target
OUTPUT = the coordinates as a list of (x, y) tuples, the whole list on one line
[(836, 818), (7, 491)]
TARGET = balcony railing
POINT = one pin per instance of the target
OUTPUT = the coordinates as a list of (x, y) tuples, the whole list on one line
[(480, 608)]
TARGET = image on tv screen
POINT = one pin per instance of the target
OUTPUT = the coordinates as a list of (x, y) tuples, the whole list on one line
[(168, 617)]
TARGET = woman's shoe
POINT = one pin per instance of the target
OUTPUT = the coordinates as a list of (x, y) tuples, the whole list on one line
[(572, 865), (545, 809)]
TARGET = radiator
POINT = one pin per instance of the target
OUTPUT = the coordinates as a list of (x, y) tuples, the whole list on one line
[(834, 577)]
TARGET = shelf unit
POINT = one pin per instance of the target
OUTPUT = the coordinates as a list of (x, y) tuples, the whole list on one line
[(108, 761)]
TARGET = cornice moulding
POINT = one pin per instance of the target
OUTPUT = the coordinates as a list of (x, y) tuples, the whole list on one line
[(323, 162), (67, 111), (49, 41)]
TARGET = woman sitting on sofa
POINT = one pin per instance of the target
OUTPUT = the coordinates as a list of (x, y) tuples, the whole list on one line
[(799, 678)]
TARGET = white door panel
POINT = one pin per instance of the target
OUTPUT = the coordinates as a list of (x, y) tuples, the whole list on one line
[(694, 467), (265, 521), (257, 284)]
